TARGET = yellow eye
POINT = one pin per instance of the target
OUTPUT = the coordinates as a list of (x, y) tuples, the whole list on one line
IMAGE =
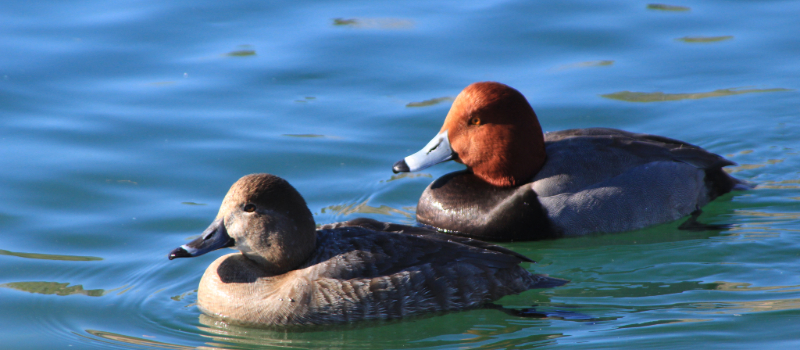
[(475, 121), (250, 207)]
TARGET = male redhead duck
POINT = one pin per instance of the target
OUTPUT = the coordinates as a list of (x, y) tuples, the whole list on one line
[(521, 184), (290, 273)]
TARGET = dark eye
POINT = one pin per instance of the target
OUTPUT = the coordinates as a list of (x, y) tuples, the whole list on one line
[(475, 121), (250, 207)]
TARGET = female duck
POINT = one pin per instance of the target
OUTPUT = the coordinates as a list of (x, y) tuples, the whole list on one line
[(523, 185), (289, 273)]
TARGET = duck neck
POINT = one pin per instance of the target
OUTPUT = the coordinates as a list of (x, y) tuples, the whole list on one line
[(516, 161), (285, 246)]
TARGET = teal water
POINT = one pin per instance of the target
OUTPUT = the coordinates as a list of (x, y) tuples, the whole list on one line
[(123, 124)]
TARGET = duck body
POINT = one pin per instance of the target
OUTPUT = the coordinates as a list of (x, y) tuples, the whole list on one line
[(352, 271), (595, 180), (563, 183), (360, 274)]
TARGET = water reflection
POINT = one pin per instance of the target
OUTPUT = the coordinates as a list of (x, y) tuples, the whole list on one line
[(781, 185), (50, 256), (664, 7), (747, 287), (704, 39), (739, 307), (635, 289), (406, 176), (630, 96), (53, 288), (114, 338), (736, 169), (311, 136), (718, 306), (443, 330), (788, 216), (241, 53), (184, 295), (666, 233), (762, 229), (431, 102), (662, 322), (586, 64), (374, 23), (306, 100), (364, 208), (123, 181)]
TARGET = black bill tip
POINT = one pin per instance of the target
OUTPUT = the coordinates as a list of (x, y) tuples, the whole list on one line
[(179, 253), (400, 167)]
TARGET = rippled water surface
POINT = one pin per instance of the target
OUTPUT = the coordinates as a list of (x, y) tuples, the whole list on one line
[(124, 123)]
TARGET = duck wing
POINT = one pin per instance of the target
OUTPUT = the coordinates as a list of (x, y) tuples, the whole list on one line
[(644, 146), (357, 252), (427, 232), (582, 158)]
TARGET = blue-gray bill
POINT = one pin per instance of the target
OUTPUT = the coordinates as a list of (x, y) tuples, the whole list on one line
[(213, 238), (438, 150)]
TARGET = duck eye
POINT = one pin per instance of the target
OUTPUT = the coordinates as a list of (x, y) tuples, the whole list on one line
[(475, 121), (250, 207)]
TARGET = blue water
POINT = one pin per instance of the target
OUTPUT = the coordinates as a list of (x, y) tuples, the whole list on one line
[(123, 124)]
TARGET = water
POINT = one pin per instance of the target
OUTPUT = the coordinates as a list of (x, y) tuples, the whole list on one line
[(124, 123)]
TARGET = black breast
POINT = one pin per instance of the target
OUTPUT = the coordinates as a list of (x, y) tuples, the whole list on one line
[(462, 204)]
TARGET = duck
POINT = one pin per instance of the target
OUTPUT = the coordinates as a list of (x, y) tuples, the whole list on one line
[(523, 184), (289, 272)]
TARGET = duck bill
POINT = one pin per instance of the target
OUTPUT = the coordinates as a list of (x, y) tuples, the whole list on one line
[(436, 151), (213, 238)]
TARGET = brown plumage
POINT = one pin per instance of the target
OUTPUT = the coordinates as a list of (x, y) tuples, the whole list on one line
[(289, 273), (483, 124)]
